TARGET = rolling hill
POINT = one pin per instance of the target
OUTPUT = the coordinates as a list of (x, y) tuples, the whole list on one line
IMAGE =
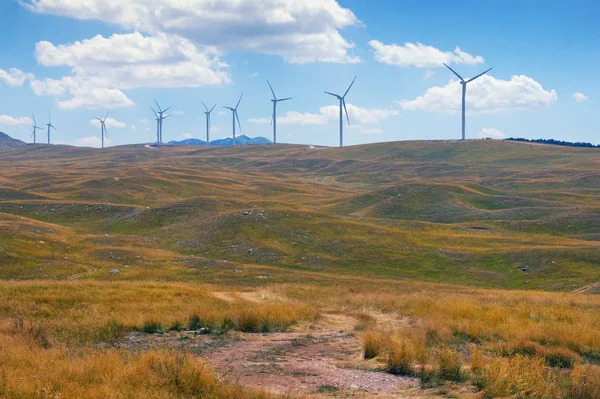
[(9, 142), (226, 142), (475, 212)]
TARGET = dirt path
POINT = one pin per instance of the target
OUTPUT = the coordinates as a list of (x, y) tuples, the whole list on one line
[(588, 289)]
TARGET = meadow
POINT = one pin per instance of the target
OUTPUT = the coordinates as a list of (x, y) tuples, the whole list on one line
[(467, 268)]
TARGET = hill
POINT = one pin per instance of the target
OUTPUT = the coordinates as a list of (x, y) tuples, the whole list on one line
[(227, 142), (9, 142), (409, 269)]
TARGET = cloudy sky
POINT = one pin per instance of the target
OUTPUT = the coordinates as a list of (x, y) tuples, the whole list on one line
[(78, 59)]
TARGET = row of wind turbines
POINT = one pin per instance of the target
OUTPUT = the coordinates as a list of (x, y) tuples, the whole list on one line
[(160, 114)]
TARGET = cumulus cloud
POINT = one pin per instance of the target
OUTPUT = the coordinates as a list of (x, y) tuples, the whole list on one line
[(484, 95), (14, 77), (178, 112), (420, 56), (186, 136), (110, 123), (300, 31), (15, 121), (579, 97), (331, 113), (103, 67), (489, 132), (91, 141)]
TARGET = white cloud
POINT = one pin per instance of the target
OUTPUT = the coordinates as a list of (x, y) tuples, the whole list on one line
[(15, 121), (91, 141), (253, 75), (133, 127), (484, 95), (331, 113), (489, 132), (178, 112), (103, 67), (145, 121), (215, 129), (420, 55), (300, 31), (222, 112), (110, 123), (14, 77), (96, 97), (186, 136), (580, 97), (427, 75)]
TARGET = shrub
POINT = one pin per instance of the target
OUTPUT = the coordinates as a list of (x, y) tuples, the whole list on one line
[(151, 327), (372, 344), (401, 357), (449, 365)]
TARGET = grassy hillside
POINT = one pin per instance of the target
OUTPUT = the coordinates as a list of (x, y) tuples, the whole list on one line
[(476, 212), (125, 272)]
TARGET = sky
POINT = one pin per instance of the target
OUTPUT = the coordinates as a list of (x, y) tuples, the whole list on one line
[(78, 59)]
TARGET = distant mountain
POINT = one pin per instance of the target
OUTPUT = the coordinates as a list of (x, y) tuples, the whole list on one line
[(227, 142), (7, 141)]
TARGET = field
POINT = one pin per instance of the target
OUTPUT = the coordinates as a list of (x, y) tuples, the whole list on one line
[(410, 269)]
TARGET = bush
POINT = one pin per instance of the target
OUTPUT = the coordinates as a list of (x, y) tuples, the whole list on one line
[(585, 382), (401, 357), (151, 327), (449, 365), (372, 344)]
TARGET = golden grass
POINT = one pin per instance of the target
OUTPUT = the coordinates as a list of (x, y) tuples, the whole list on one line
[(30, 372)]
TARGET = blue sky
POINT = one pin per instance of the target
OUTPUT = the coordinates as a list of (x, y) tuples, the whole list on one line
[(78, 59)]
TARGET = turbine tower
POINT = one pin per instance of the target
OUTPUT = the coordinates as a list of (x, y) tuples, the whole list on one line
[(275, 100), (35, 129), (235, 116), (50, 125), (207, 113), (159, 119), (342, 104), (103, 128), (464, 94)]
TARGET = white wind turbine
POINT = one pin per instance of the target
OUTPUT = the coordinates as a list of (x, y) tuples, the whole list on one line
[(50, 125), (35, 129), (207, 113), (464, 94), (103, 133), (235, 116), (342, 105), (275, 100)]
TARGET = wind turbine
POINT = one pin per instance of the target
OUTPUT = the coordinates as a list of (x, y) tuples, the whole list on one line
[(464, 94), (207, 113), (235, 116), (50, 125), (275, 100), (35, 129), (160, 118), (103, 128), (342, 104)]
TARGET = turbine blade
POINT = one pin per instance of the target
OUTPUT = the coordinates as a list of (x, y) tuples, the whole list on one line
[(34, 122), (105, 132), (271, 87), (481, 74), (239, 101), (106, 115), (285, 99), (453, 71), (205, 107), (167, 109), (211, 110), (346, 109), (349, 87), (155, 113), (331, 94), (238, 119), (156, 102)]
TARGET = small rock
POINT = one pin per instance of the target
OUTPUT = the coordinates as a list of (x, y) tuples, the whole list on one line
[(114, 272), (245, 213), (116, 179), (525, 270)]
